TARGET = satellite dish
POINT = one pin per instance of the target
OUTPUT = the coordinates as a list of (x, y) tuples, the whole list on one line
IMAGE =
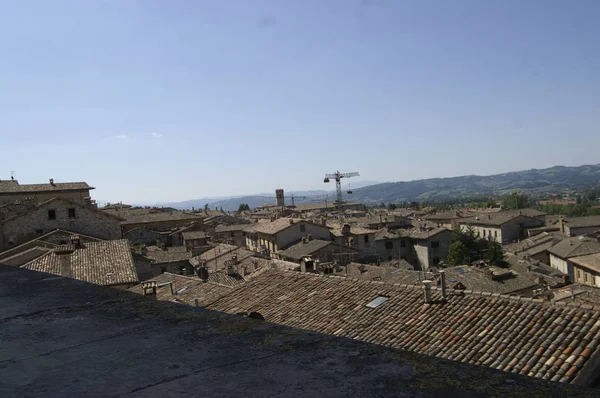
[(202, 273)]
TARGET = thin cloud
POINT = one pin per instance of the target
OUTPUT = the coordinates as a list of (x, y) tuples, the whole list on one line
[(121, 137), (157, 135)]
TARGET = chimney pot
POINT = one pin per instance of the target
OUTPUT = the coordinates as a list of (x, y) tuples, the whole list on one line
[(52, 181), (65, 264), (427, 289), (443, 283)]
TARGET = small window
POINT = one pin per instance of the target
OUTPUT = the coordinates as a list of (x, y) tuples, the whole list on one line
[(435, 244), (232, 234), (51, 214), (389, 245), (578, 274), (403, 243), (585, 276), (72, 212), (495, 234), (163, 270), (366, 238), (302, 228)]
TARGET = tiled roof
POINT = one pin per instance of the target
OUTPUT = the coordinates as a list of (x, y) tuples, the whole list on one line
[(159, 216), (543, 238), (450, 215), (302, 249), (106, 262), (172, 254), (13, 186), (500, 218), (576, 246), (591, 261), (274, 227), (231, 228), (514, 335), (427, 233), (583, 222), (44, 241), (336, 230), (186, 289), (25, 256), (194, 235)]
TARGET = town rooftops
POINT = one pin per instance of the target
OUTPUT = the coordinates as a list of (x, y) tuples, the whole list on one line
[(576, 246), (500, 218), (191, 235), (274, 227), (515, 335), (62, 337), (583, 222), (167, 255), (158, 216), (13, 186), (450, 215), (65, 201), (231, 228), (306, 248), (107, 262), (590, 261)]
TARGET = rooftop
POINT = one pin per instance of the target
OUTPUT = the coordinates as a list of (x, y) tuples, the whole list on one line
[(171, 254), (583, 222), (302, 249), (62, 337), (274, 227), (13, 186), (502, 217), (576, 246), (590, 261), (191, 235), (515, 335), (107, 262)]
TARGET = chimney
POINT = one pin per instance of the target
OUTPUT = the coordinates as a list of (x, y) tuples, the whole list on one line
[(291, 220), (234, 259), (427, 289), (149, 288), (309, 237), (304, 240), (443, 283), (76, 241), (520, 212), (230, 271), (346, 229), (144, 250), (52, 181), (303, 266), (323, 221)]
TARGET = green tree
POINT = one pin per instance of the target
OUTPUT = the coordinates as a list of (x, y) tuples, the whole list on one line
[(495, 254), (206, 207), (243, 207), (391, 206), (515, 201), (221, 209), (457, 254)]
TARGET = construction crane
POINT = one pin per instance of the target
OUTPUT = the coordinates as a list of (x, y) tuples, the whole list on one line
[(337, 176)]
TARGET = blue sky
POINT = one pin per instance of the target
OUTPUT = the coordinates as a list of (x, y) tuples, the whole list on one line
[(172, 100)]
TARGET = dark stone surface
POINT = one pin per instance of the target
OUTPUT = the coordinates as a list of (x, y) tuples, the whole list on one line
[(61, 337)]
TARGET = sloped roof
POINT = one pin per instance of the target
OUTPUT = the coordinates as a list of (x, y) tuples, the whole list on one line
[(170, 255), (302, 249), (194, 235), (576, 246), (106, 262), (450, 215), (590, 261), (583, 222), (13, 186), (515, 335), (274, 227), (231, 228), (186, 289)]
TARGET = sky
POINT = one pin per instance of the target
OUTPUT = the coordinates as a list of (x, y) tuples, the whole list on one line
[(152, 100)]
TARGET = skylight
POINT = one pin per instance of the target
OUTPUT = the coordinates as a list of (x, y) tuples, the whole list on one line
[(377, 302)]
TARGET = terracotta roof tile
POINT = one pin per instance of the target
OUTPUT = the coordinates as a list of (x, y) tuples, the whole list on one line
[(511, 335), (106, 262)]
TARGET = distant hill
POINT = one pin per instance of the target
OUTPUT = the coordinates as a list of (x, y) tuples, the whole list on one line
[(557, 178)]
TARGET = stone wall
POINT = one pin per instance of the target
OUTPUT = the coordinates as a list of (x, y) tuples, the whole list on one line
[(37, 222)]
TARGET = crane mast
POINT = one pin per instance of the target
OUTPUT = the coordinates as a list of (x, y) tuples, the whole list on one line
[(337, 176)]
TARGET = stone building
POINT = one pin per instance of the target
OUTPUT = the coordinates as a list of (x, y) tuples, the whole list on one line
[(503, 227), (578, 226), (324, 251), (359, 238), (272, 236), (231, 234), (58, 213), (11, 191)]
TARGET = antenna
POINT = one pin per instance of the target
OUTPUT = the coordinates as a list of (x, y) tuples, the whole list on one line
[(12, 174)]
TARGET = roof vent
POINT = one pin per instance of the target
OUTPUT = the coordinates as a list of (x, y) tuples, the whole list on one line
[(52, 181), (427, 289)]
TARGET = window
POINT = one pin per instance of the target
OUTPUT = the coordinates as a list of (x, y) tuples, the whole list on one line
[(163, 270), (366, 238), (389, 245), (302, 228), (377, 302), (578, 274), (72, 212), (496, 234), (389, 258), (484, 233), (435, 244), (232, 234), (402, 243), (51, 214), (436, 261)]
